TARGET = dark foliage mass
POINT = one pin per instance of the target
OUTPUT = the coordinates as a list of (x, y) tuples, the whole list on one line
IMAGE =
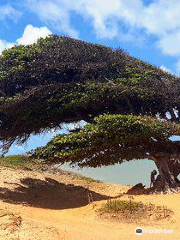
[(60, 79), (57, 60)]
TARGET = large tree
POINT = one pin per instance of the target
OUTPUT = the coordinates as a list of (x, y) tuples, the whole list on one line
[(60, 79)]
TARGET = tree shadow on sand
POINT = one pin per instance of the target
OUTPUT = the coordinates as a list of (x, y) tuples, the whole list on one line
[(48, 193)]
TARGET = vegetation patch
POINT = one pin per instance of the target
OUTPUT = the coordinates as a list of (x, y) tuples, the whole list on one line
[(133, 211), (20, 162), (122, 205), (26, 163)]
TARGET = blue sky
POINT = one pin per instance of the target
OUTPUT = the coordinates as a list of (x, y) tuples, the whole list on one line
[(149, 30)]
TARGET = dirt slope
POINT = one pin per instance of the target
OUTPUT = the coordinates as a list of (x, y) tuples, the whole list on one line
[(41, 206)]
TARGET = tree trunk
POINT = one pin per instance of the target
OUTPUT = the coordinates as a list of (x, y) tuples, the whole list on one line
[(173, 115), (166, 180)]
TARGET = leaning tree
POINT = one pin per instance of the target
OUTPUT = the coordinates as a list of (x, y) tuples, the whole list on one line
[(131, 108)]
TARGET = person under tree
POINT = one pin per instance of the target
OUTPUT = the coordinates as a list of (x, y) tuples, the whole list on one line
[(152, 180)]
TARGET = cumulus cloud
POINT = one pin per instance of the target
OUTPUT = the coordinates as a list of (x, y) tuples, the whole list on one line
[(111, 19), (30, 35)]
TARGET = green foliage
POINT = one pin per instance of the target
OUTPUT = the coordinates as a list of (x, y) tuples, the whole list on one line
[(56, 60), (111, 139), (60, 79), (20, 162)]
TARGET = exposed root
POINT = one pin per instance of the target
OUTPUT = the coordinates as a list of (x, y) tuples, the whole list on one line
[(167, 190)]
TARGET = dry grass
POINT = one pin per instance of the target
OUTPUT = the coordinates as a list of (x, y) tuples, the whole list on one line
[(121, 205), (20, 162), (132, 211)]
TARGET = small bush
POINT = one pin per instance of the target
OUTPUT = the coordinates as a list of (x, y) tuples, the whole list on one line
[(121, 205)]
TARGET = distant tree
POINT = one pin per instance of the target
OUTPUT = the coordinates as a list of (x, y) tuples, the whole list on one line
[(61, 79)]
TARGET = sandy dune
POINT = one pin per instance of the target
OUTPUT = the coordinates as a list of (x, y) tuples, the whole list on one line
[(40, 206)]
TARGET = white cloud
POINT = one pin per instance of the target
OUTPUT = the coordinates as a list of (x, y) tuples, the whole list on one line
[(129, 20), (124, 19), (108, 17), (165, 69), (32, 34), (178, 67), (170, 43), (8, 11), (55, 14), (4, 45), (21, 148)]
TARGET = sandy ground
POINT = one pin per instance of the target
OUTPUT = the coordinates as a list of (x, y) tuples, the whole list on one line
[(40, 206)]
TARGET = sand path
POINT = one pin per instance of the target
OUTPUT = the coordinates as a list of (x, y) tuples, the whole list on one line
[(48, 218)]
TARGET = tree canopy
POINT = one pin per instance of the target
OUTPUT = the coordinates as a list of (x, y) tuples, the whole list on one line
[(60, 79), (112, 139), (131, 107)]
